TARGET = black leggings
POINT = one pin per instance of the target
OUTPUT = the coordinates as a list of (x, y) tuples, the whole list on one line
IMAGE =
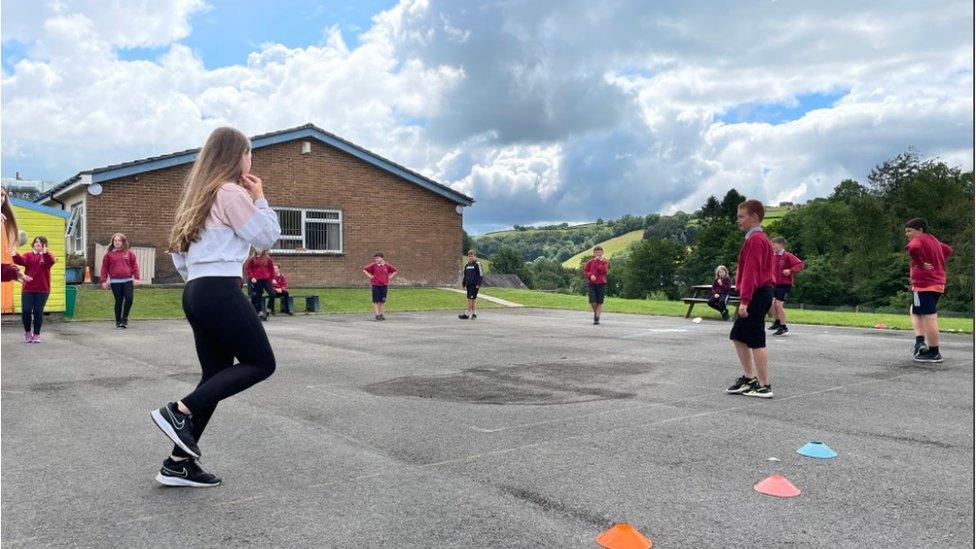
[(123, 300), (32, 306), (225, 327), (719, 303), (259, 287)]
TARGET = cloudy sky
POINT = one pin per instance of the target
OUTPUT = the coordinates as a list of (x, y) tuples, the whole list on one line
[(543, 111)]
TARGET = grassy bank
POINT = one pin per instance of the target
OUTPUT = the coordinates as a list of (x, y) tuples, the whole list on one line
[(531, 298), (165, 303)]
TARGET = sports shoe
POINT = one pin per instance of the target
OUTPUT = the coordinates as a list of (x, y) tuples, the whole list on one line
[(474, 316), (928, 356), (463, 316), (382, 317), (742, 385), (177, 426), (28, 337), (725, 314), (783, 330), (596, 321), (920, 347), (775, 326), (377, 317), (185, 473), (35, 338), (760, 391)]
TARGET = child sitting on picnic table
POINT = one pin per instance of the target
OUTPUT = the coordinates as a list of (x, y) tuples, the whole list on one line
[(721, 289), (279, 290)]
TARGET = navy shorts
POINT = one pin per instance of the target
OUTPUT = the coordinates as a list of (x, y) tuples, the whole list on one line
[(379, 294), (780, 291), (472, 292), (597, 293), (923, 303), (751, 330)]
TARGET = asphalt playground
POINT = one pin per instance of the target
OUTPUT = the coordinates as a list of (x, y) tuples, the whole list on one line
[(523, 428)]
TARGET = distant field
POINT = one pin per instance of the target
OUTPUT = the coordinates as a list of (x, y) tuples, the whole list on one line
[(610, 247), (774, 213), (531, 230)]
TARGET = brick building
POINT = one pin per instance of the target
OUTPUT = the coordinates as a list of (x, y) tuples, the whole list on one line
[(338, 204)]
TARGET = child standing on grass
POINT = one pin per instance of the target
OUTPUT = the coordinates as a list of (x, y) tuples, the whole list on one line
[(928, 277), (33, 296), (221, 215), (721, 289), (785, 265), (473, 276), (379, 273), (120, 269), (595, 272), (259, 270), (279, 285), (754, 279)]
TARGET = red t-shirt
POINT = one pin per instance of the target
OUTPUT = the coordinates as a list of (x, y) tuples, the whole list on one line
[(37, 266), (119, 264), (598, 268), (755, 266), (927, 249), (259, 269), (381, 273)]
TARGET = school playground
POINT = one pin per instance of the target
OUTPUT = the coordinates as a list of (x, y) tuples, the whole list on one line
[(523, 428)]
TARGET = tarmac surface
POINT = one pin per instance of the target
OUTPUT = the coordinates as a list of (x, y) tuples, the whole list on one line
[(523, 428)]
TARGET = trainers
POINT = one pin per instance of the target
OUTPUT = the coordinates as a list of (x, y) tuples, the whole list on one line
[(742, 385), (177, 426), (919, 348), (783, 330), (28, 337), (775, 326), (725, 315), (185, 473), (463, 316), (760, 391), (596, 320), (474, 316), (382, 317), (35, 338), (928, 356), (377, 317)]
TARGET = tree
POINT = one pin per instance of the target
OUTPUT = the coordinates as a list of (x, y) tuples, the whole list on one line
[(730, 204), (509, 261), (711, 210), (653, 266), (466, 242)]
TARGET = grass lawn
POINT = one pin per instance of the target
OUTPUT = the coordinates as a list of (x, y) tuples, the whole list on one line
[(165, 303), (531, 298), (610, 247), (774, 213)]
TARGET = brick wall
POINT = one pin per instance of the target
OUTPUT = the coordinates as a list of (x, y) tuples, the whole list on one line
[(417, 230)]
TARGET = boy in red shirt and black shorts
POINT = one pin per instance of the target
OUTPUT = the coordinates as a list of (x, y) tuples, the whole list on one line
[(928, 277), (754, 280), (595, 272), (785, 265), (380, 273)]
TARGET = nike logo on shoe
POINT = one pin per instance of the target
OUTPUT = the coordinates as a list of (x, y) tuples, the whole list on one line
[(181, 473), (177, 424)]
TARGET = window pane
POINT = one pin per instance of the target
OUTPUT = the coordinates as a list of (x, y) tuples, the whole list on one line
[(322, 215), (290, 221), (288, 244), (322, 236)]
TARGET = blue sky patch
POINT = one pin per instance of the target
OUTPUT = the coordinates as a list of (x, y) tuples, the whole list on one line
[(782, 112)]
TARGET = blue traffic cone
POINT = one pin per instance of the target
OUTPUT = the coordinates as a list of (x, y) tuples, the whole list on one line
[(817, 449)]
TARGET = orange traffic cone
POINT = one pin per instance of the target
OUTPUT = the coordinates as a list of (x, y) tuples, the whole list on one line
[(881, 325), (623, 536), (778, 486), (87, 274)]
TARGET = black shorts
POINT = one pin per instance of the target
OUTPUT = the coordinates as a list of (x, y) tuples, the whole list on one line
[(923, 303), (597, 293), (780, 291), (472, 292), (379, 294), (751, 330)]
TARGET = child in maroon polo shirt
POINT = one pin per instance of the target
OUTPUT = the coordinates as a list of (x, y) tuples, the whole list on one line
[(785, 265), (380, 273), (928, 278), (595, 272), (754, 280)]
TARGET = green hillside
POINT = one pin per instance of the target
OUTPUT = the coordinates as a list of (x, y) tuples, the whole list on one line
[(610, 247), (774, 213)]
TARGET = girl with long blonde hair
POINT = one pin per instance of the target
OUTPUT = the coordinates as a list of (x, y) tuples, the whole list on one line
[(721, 290), (12, 233), (222, 213)]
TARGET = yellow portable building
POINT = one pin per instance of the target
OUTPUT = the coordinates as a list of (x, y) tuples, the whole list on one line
[(37, 220)]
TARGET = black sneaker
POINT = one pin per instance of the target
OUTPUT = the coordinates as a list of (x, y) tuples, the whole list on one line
[(775, 326), (928, 356), (596, 321), (118, 325), (474, 316), (920, 347), (463, 316), (760, 391), (742, 385), (185, 473), (783, 330), (377, 317), (177, 426), (125, 323), (382, 317), (725, 315)]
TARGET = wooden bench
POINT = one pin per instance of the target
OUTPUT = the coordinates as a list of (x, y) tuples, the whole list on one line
[(706, 290), (312, 304)]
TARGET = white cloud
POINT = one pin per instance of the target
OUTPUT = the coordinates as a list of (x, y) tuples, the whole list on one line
[(545, 110)]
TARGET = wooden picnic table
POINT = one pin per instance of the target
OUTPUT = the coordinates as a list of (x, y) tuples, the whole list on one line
[(705, 290)]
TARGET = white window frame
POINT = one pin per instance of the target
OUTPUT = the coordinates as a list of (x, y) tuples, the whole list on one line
[(305, 220), (75, 230)]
